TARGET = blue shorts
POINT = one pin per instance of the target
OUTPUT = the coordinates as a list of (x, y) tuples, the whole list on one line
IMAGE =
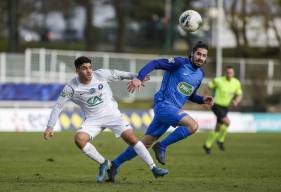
[(165, 115)]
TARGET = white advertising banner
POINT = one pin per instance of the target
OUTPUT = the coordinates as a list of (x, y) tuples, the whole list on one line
[(20, 120), (240, 122), (205, 119)]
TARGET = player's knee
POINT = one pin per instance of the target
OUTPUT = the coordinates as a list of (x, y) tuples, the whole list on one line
[(81, 140), (217, 128), (226, 121), (193, 128), (148, 141), (147, 145), (129, 137)]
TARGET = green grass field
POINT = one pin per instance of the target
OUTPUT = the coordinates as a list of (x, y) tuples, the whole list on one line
[(252, 162)]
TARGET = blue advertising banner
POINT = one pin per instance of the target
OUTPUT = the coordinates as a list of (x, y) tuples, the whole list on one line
[(267, 122), (30, 91)]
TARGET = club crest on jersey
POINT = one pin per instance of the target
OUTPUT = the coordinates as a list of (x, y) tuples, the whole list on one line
[(171, 60), (100, 86), (185, 88), (92, 90)]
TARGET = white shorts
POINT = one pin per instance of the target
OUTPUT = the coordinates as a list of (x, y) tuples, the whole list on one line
[(93, 127)]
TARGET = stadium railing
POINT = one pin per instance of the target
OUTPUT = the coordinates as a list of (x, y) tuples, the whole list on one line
[(56, 66)]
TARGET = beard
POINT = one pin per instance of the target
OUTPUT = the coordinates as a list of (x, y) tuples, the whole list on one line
[(198, 63)]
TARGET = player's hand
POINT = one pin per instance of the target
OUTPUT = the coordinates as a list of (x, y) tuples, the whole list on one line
[(208, 100), (147, 78), (134, 85), (49, 132)]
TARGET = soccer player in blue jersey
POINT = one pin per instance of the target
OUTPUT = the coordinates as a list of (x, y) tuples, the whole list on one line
[(181, 79)]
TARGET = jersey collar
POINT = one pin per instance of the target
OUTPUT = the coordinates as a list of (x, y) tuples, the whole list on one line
[(227, 79)]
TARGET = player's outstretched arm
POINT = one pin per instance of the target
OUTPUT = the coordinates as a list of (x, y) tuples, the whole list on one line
[(64, 97), (49, 132), (164, 64)]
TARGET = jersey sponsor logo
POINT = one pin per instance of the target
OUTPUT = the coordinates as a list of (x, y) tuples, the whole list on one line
[(93, 101), (171, 60), (185, 88)]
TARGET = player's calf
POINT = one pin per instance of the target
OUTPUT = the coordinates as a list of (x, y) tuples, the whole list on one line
[(159, 153), (193, 128)]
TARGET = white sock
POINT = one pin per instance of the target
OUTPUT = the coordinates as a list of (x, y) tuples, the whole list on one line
[(92, 152), (144, 154)]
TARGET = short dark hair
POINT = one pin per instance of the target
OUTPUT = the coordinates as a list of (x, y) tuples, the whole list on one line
[(229, 67), (81, 60), (200, 44)]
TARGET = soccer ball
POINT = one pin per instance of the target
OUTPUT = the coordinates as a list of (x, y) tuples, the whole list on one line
[(190, 21)]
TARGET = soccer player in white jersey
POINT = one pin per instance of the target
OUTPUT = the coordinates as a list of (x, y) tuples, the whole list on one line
[(90, 90)]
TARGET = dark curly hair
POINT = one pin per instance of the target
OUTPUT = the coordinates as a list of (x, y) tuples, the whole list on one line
[(81, 60), (199, 44)]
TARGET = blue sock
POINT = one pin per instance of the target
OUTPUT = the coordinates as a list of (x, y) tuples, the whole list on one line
[(126, 155), (180, 133)]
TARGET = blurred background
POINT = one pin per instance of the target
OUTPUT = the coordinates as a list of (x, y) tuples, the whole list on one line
[(40, 39)]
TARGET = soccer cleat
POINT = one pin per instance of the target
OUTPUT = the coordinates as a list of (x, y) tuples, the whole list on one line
[(159, 153), (102, 171), (158, 172), (112, 172), (220, 145), (207, 149)]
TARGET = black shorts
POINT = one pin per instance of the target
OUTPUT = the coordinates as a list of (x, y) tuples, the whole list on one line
[(220, 112)]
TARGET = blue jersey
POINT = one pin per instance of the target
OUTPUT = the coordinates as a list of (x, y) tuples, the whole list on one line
[(180, 81)]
